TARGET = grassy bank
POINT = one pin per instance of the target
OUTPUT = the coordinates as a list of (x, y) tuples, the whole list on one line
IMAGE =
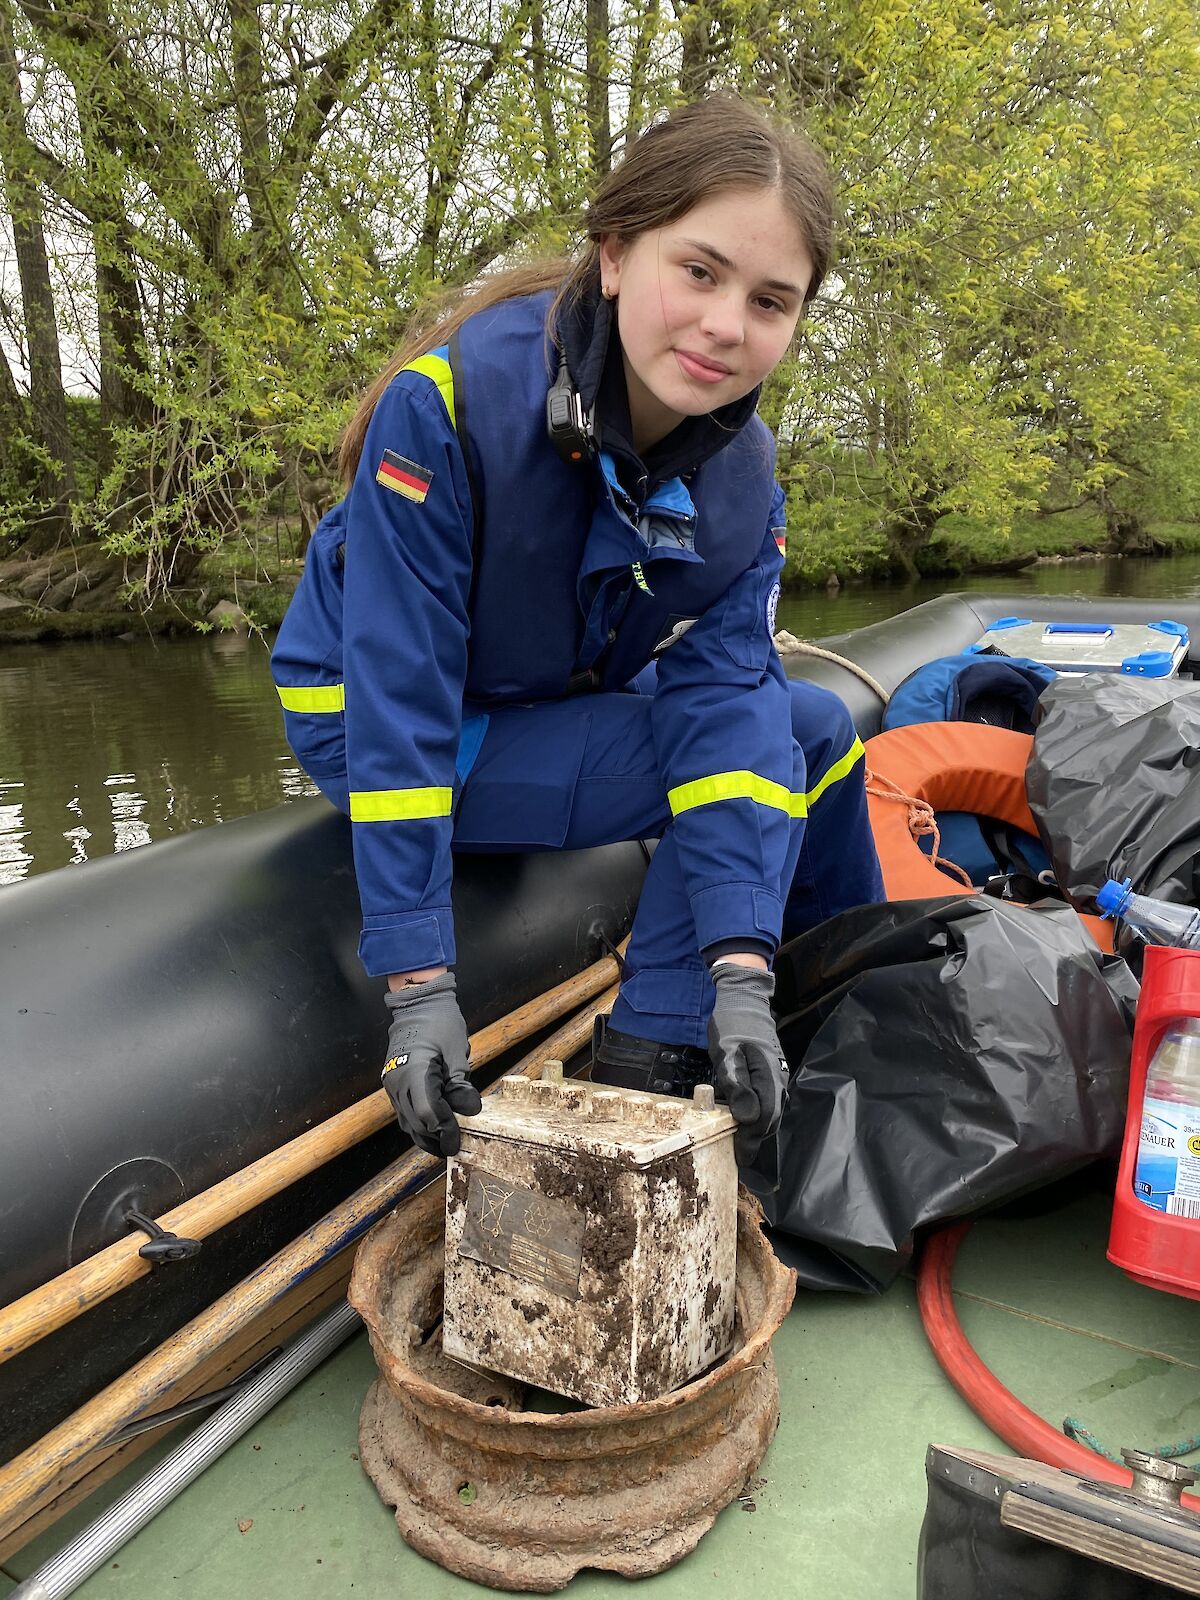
[(961, 545), (257, 574)]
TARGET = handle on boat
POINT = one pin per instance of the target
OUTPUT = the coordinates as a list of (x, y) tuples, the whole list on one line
[(62, 1299), (45, 1475)]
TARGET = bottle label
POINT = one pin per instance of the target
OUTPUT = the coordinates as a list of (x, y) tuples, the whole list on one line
[(1167, 1175)]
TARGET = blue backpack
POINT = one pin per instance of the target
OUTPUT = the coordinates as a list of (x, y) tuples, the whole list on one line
[(1000, 692)]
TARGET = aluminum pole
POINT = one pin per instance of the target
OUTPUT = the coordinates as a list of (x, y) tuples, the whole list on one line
[(89, 1550)]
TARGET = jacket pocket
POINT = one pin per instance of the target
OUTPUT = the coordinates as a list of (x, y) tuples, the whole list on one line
[(318, 741), (745, 637), (666, 991), (521, 788)]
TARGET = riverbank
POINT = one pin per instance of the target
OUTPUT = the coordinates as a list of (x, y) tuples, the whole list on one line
[(966, 547), (110, 743), (242, 588), (246, 585), (963, 546)]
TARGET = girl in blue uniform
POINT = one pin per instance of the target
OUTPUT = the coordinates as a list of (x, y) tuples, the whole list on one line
[(542, 618)]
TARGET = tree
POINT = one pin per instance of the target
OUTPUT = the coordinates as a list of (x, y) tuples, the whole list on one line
[(1019, 187), (45, 434), (241, 205)]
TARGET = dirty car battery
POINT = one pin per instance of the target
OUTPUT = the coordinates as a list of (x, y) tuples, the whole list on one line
[(591, 1239)]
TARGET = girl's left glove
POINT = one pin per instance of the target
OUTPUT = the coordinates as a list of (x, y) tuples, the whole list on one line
[(748, 1063), (426, 1071)]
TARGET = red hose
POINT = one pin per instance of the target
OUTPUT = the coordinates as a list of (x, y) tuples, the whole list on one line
[(1016, 1424)]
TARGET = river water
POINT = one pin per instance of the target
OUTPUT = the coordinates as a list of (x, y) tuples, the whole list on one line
[(107, 745)]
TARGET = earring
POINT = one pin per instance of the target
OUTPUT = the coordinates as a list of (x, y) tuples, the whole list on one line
[(609, 294)]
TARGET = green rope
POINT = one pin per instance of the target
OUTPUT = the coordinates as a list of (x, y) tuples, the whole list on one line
[(1074, 1429)]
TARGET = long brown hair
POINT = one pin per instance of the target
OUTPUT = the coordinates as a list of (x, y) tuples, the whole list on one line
[(718, 143)]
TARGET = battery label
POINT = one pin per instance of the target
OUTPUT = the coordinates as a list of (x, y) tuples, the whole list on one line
[(1167, 1175), (525, 1233)]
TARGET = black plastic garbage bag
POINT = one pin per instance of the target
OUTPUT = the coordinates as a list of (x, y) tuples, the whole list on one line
[(1114, 783), (946, 1055)]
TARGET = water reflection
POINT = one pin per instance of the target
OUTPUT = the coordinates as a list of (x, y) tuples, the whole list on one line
[(77, 838), (15, 860), (293, 780), (107, 745), (129, 830)]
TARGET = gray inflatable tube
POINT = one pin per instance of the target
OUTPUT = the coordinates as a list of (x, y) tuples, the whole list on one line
[(893, 649)]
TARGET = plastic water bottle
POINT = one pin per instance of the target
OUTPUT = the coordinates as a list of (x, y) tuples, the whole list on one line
[(1158, 921), (1167, 1175)]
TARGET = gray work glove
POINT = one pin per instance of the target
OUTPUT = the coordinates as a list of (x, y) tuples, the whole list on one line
[(426, 1071), (749, 1069)]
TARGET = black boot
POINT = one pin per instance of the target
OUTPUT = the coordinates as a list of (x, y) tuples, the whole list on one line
[(624, 1061)]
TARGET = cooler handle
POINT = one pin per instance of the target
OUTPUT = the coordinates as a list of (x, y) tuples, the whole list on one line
[(1104, 628)]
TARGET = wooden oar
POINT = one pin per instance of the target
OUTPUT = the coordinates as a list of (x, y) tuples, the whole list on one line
[(63, 1298), (47, 1469), (303, 1303)]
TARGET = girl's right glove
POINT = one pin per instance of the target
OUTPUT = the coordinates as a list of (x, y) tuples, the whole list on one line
[(426, 1071), (749, 1068)]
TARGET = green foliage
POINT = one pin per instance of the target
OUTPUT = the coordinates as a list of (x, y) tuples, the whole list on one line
[(832, 534), (83, 421), (249, 203)]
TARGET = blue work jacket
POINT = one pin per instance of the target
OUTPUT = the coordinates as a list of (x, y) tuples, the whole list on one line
[(471, 567)]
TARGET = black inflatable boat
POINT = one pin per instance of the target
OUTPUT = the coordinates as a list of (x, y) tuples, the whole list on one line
[(893, 649), (171, 1014)]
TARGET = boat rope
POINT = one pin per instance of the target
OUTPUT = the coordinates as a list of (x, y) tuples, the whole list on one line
[(1074, 1429), (922, 822), (788, 645)]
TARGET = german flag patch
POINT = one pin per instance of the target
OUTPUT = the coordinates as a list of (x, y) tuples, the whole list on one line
[(780, 540), (404, 476)]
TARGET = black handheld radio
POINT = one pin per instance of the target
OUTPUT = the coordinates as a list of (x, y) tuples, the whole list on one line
[(569, 426)]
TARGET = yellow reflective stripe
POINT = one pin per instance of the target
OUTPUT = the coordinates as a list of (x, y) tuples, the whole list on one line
[(749, 786), (318, 697), (836, 772), (728, 786), (437, 369), (399, 805)]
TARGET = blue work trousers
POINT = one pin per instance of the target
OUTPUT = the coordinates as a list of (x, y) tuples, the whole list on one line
[(575, 773)]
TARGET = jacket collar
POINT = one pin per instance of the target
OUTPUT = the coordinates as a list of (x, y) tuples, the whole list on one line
[(587, 333)]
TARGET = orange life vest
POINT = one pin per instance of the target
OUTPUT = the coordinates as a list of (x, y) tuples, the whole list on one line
[(950, 766)]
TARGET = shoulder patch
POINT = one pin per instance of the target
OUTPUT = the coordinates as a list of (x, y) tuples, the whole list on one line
[(403, 476), (772, 608)]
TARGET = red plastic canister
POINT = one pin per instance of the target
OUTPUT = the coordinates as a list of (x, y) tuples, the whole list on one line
[(1156, 1249)]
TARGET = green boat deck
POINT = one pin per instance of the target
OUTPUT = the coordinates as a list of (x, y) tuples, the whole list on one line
[(288, 1511)]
